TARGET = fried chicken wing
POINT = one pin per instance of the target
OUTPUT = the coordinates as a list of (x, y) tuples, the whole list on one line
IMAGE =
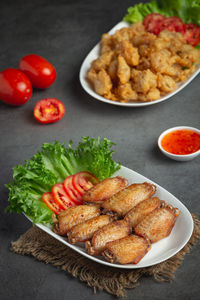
[(158, 224), (84, 231), (111, 232), (73, 216), (130, 249), (141, 210), (126, 199), (104, 189)]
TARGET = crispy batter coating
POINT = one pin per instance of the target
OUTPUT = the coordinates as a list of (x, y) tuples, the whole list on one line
[(103, 61), (144, 80), (104, 189), (130, 249), (129, 53), (166, 83), (158, 224), (162, 62), (123, 70), (112, 69), (141, 210), (102, 83), (73, 216), (126, 92), (84, 231), (126, 199), (111, 232)]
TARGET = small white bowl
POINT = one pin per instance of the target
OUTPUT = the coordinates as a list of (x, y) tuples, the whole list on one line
[(178, 157)]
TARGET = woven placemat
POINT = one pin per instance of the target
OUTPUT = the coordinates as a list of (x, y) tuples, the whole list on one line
[(45, 248)]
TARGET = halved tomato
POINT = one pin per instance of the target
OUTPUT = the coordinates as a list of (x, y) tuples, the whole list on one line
[(49, 201), (60, 196), (83, 181), (49, 110), (71, 191)]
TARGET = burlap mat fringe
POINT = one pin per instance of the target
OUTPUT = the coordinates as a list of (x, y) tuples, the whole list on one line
[(45, 248)]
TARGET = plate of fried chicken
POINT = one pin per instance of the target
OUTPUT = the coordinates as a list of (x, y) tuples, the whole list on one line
[(126, 221), (132, 67)]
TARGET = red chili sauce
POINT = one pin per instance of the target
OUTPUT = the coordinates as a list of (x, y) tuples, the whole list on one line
[(182, 141)]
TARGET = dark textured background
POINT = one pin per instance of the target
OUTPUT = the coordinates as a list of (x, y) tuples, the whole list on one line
[(64, 32)]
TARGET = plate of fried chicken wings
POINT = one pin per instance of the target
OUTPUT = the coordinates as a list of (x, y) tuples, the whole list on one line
[(126, 221), (161, 70)]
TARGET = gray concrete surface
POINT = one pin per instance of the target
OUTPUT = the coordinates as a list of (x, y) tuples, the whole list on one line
[(64, 32)]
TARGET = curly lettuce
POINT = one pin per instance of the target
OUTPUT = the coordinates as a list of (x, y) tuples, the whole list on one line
[(52, 164), (187, 10)]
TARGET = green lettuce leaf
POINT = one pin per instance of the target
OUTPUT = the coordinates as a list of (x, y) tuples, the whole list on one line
[(187, 10), (52, 165)]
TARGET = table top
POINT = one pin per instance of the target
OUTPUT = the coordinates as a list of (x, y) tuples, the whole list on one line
[(64, 32)]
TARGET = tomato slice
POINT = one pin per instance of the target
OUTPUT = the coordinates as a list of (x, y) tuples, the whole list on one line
[(83, 181), (60, 196), (152, 23), (173, 24), (192, 34), (49, 201), (81, 184), (73, 194), (49, 110)]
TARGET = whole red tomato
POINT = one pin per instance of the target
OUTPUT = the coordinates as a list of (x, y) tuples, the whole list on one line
[(41, 73), (15, 87)]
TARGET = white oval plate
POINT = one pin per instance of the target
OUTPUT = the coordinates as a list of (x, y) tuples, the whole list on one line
[(159, 251), (94, 54)]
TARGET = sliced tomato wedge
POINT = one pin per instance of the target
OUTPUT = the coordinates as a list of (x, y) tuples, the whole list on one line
[(83, 181), (60, 196), (173, 24), (192, 34), (152, 23), (49, 201), (73, 194), (49, 110)]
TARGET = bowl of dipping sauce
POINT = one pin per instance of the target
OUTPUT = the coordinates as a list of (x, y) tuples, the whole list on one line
[(180, 143)]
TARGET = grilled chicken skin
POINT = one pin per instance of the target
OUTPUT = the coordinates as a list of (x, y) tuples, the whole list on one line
[(158, 224), (73, 216), (142, 209), (112, 231), (84, 231), (130, 249), (126, 199), (104, 189)]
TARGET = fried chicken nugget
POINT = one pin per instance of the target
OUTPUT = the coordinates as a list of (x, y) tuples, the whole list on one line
[(158, 224), (141, 210), (143, 80), (84, 231), (123, 70), (73, 216), (130, 53), (126, 93), (111, 232), (130, 249), (102, 83), (104, 189), (126, 199)]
